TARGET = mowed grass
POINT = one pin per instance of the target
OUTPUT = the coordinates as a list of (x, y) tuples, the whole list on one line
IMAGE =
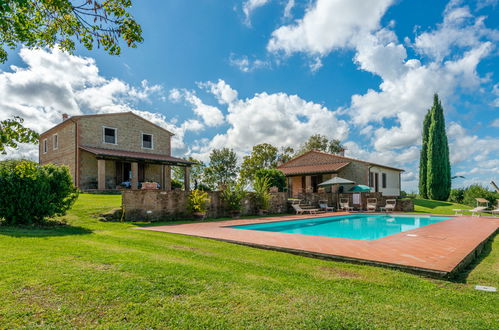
[(437, 207), (112, 275)]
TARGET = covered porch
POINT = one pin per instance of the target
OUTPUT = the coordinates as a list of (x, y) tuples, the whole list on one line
[(106, 169), (306, 179)]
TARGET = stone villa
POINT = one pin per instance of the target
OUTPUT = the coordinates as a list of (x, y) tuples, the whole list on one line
[(306, 172), (104, 150)]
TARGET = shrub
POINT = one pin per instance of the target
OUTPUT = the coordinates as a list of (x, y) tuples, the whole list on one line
[(177, 184), (262, 195), (478, 191), (233, 196), (457, 195), (31, 193), (203, 187), (198, 201), (276, 177)]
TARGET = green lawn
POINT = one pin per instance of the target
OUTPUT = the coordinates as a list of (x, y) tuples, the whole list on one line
[(436, 207), (94, 274), (439, 207)]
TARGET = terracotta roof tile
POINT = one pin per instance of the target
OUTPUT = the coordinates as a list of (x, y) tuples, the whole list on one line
[(320, 168), (133, 154), (319, 157)]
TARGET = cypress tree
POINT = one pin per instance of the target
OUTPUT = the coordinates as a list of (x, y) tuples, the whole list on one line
[(438, 181), (423, 160)]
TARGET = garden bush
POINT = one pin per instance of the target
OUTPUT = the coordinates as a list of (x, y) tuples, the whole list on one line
[(198, 201), (478, 191), (177, 184), (457, 195), (233, 196), (31, 193), (276, 178)]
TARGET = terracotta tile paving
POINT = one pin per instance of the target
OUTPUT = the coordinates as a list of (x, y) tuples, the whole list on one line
[(436, 249)]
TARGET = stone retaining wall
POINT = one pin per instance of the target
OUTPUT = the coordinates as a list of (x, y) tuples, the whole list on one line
[(155, 205)]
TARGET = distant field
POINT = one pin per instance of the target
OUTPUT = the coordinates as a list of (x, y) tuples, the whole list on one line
[(95, 274)]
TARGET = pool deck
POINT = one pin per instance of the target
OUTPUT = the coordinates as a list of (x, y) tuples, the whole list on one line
[(438, 250)]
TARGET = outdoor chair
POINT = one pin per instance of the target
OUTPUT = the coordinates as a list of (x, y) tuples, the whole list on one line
[(371, 204), (389, 205), (496, 210), (299, 210), (481, 206), (345, 204), (324, 207)]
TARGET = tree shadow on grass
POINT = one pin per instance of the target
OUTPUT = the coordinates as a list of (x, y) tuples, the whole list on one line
[(430, 204), (462, 276), (47, 230)]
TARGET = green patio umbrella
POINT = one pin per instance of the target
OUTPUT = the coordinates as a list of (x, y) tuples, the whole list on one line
[(336, 181), (360, 188)]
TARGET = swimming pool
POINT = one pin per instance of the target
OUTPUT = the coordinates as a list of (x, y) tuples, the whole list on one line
[(366, 227)]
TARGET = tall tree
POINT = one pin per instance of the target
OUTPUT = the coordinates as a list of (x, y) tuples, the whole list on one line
[(438, 169), (423, 160), (263, 156), (223, 168), (45, 23), (321, 143), (13, 132), (285, 155)]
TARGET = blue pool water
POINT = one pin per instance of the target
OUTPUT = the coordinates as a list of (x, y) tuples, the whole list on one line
[(362, 226)]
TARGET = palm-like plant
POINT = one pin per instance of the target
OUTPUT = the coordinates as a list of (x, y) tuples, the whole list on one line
[(261, 185), (233, 196)]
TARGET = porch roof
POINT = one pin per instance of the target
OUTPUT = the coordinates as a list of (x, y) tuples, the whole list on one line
[(313, 169), (136, 156)]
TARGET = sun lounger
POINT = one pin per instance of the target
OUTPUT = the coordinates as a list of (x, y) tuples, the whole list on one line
[(324, 207), (481, 206), (299, 210), (494, 211), (345, 204), (372, 204), (389, 206)]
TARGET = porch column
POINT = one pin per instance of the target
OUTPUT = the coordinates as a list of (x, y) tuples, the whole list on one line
[(135, 175), (162, 176), (168, 178), (101, 174), (165, 178), (308, 183), (187, 178)]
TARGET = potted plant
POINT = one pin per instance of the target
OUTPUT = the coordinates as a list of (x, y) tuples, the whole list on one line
[(261, 185), (233, 195), (198, 203)]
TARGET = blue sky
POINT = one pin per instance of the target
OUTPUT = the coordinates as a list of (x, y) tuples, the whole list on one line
[(238, 73)]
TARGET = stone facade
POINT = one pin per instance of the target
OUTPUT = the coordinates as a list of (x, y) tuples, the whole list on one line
[(64, 153), (149, 205), (305, 172), (92, 163), (358, 172), (129, 129)]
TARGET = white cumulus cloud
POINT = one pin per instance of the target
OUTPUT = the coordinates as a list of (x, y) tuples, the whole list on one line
[(279, 119), (328, 25), (52, 82), (212, 116)]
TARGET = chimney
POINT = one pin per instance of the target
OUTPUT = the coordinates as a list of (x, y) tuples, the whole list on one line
[(341, 152), (64, 116)]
